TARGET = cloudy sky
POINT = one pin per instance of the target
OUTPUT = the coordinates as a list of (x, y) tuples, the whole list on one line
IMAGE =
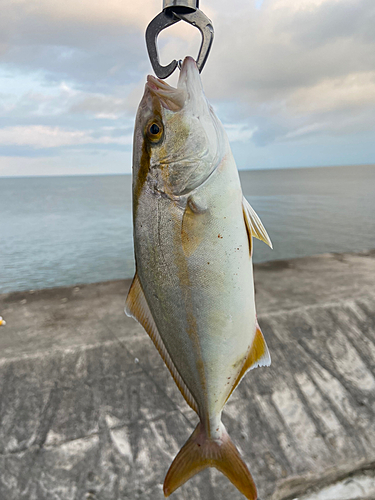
[(292, 80)]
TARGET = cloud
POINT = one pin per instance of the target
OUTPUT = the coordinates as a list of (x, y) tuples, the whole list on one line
[(282, 74), (38, 136), (296, 68), (89, 43), (101, 106), (268, 57), (45, 20), (238, 132), (350, 92)]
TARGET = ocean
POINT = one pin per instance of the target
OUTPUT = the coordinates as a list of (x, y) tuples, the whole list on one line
[(57, 231)]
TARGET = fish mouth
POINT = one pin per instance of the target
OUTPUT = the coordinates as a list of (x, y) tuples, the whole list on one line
[(170, 97), (189, 74), (188, 84)]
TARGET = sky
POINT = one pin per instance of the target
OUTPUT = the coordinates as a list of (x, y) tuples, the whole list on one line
[(293, 81)]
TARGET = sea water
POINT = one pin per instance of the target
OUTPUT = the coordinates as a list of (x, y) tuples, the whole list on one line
[(57, 231)]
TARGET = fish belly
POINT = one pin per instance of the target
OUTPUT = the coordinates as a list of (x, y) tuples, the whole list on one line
[(194, 265)]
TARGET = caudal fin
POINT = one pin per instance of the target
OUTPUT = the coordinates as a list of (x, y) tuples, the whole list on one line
[(200, 452)]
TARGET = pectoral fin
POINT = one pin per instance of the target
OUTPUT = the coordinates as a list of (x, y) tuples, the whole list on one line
[(193, 225), (258, 355), (254, 224), (136, 307)]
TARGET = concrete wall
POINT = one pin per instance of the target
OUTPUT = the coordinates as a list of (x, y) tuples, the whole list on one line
[(88, 410)]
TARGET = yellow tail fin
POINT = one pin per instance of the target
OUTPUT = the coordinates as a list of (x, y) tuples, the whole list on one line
[(200, 452)]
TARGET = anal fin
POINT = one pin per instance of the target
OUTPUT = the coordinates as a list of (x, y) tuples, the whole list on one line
[(258, 355), (136, 307)]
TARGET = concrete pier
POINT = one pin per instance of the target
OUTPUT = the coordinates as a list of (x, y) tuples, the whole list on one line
[(88, 410)]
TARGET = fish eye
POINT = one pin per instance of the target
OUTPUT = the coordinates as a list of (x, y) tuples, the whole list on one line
[(154, 131)]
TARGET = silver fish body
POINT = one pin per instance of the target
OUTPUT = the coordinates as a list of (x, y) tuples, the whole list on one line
[(193, 290)]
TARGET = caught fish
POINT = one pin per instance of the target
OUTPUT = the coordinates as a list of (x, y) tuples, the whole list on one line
[(193, 290)]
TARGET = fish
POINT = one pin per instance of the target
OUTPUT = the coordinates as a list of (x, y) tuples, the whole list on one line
[(193, 290)]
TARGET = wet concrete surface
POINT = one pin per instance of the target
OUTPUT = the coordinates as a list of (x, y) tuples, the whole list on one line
[(88, 410)]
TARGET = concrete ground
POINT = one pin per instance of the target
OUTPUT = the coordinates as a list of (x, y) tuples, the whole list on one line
[(88, 410)]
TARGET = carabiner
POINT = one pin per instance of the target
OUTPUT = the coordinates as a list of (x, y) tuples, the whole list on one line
[(174, 11)]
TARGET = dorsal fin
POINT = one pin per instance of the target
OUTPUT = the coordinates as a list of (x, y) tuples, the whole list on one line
[(254, 224), (258, 355), (136, 307)]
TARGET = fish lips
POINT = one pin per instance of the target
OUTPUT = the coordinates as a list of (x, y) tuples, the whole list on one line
[(189, 88), (190, 78), (170, 98)]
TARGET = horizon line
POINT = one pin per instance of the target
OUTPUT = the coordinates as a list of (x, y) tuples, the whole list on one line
[(129, 174)]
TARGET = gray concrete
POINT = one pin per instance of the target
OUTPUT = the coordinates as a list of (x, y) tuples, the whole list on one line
[(88, 410)]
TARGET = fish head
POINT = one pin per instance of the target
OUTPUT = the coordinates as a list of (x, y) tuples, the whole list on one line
[(178, 140)]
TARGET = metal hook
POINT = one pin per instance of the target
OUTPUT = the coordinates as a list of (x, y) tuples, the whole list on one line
[(168, 17)]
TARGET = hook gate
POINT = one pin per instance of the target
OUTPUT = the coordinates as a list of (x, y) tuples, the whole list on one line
[(173, 12)]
